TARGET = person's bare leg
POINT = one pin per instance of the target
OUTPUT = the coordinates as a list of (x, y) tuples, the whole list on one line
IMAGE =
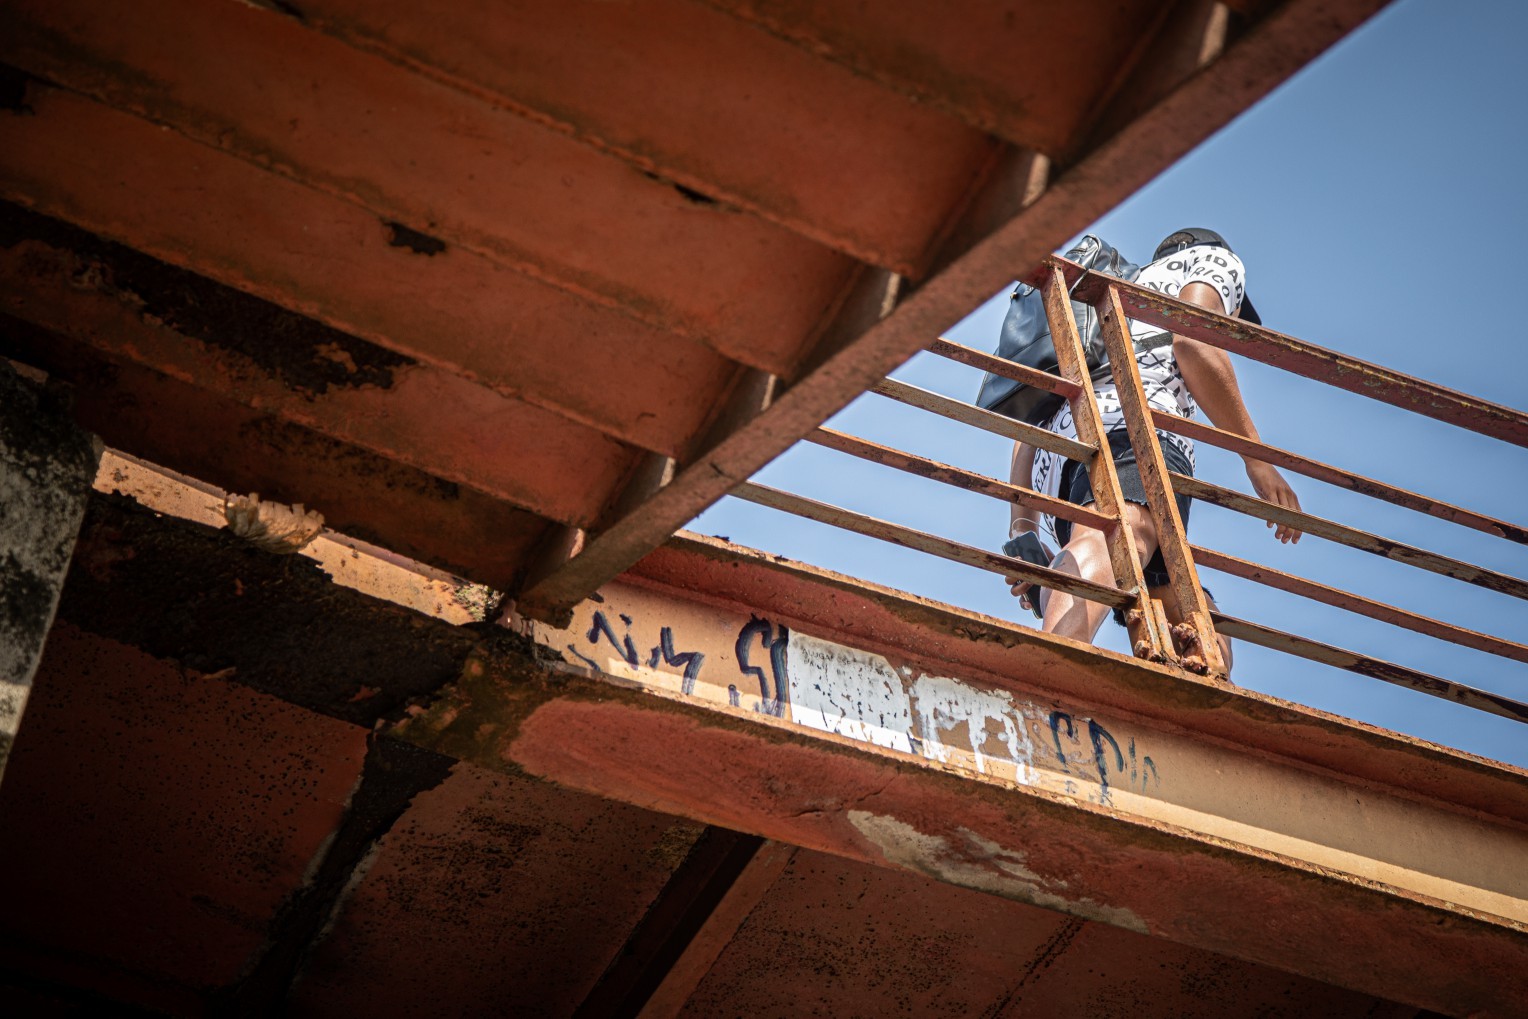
[(1087, 556)]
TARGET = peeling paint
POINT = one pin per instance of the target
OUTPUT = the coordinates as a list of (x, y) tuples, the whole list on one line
[(309, 357), (852, 693), (981, 865), (942, 703)]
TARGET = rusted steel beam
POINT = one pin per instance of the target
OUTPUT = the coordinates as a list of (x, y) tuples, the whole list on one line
[(1271, 577), (1197, 644), (1335, 369), (1300, 815), (952, 58), (341, 265), (236, 448), (986, 420), (1149, 634), (134, 309), (1014, 179), (1279, 45), (744, 139), (903, 626), (1183, 38), (1258, 808), (700, 955), (867, 296), (1352, 537), (989, 782), (949, 59), (918, 541), (1004, 367), (476, 177), (1375, 668), (1203, 432), (956, 476), (683, 909)]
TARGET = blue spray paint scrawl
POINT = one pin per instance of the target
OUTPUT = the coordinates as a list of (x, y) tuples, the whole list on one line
[(777, 645), (691, 660)]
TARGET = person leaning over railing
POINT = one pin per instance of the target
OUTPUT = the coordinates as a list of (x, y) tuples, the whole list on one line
[(1178, 373)]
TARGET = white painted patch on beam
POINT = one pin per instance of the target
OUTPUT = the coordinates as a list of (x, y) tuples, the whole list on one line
[(981, 865), (943, 705), (852, 693)]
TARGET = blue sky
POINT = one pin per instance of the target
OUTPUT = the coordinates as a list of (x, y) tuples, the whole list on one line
[(1376, 199)]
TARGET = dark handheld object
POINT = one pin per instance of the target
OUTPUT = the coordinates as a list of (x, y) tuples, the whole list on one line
[(1027, 546), (1026, 338)]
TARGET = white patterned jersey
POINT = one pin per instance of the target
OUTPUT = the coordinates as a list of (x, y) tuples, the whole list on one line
[(1165, 390)]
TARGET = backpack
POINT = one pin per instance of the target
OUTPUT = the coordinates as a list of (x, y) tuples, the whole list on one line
[(1026, 338)]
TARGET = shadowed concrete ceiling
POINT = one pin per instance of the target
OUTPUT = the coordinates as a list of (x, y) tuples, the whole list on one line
[(515, 290)]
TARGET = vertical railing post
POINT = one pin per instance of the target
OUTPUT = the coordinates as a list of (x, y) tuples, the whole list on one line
[(1149, 637), (1199, 644)]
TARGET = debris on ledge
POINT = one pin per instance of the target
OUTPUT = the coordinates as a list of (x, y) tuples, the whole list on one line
[(272, 526)]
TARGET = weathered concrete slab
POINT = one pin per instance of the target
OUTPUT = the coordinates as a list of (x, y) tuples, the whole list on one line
[(47, 464)]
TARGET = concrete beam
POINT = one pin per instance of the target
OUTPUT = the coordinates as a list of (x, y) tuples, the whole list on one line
[(47, 463)]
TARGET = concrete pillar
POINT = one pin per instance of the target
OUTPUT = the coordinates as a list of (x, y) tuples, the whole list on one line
[(47, 465)]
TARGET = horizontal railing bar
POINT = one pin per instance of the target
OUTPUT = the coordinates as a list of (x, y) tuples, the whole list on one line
[(1375, 668), (944, 548), (1307, 359), (958, 477), (1337, 476), (1004, 367), (983, 419), (1270, 577), (1350, 536)]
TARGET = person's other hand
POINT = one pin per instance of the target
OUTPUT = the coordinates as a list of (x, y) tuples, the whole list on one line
[(1024, 591), (1270, 486), (1030, 548)]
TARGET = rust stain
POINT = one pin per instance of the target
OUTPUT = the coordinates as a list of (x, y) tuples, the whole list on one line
[(307, 356), (400, 236)]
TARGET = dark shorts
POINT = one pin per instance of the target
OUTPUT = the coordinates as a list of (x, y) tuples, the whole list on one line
[(1077, 488)]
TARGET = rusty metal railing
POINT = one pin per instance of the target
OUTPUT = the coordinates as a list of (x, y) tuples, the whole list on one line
[(1192, 645)]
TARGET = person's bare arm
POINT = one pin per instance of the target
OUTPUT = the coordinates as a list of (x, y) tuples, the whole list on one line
[(1212, 380), (1020, 516)]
